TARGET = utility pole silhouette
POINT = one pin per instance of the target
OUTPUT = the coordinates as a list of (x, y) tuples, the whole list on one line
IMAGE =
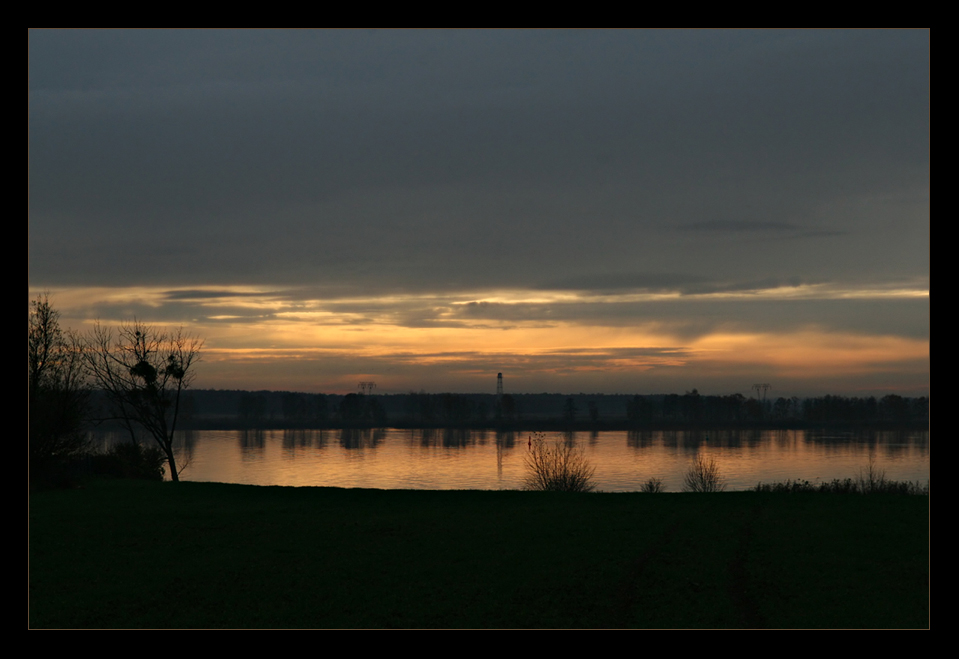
[(762, 388)]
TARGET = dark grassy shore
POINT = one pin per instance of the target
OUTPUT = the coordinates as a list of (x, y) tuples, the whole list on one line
[(143, 554)]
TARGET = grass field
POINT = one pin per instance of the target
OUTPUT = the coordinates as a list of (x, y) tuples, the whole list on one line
[(121, 554)]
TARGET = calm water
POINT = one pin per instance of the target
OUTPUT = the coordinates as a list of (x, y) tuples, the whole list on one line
[(485, 460)]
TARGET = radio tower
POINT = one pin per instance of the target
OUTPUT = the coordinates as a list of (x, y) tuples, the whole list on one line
[(366, 388)]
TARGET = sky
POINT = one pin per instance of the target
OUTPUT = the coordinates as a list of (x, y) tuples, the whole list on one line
[(608, 211)]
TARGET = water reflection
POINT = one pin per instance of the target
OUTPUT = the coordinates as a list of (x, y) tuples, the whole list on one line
[(299, 441), (361, 438), (505, 438), (457, 437), (183, 445), (639, 439), (296, 438), (252, 441), (478, 459)]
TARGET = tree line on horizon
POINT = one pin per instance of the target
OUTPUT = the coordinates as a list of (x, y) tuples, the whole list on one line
[(294, 409)]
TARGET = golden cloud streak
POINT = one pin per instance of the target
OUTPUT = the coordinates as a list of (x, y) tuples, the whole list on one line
[(810, 353), (286, 305), (287, 331)]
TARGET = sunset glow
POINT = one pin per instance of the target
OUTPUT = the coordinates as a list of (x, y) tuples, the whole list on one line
[(257, 339), (623, 211)]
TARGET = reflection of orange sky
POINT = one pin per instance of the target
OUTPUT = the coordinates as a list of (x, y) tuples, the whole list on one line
[(280, 339)]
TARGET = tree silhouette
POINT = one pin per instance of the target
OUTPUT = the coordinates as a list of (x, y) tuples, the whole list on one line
[(143, 373), (58, 393)]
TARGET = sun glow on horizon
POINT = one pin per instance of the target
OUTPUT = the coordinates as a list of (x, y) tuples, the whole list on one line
[(272, 336)]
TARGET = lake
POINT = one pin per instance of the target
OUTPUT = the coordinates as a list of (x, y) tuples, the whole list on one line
[(437, 459)]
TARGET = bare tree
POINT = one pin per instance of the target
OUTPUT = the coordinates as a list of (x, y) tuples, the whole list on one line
[(57, 390), (557, 467), (144, 372), (704, 476)]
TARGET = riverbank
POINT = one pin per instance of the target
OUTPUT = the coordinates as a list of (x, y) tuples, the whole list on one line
[(175, 555)]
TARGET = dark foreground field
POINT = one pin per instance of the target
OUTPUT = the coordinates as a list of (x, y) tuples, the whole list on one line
[(141, 554)]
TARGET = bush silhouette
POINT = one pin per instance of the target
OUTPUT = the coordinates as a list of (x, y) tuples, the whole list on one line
[(557, 467), (704, 476), (130, 460), (652, 486)]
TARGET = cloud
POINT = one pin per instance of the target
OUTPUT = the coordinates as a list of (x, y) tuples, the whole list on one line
[(275, 185), (204, 294), (496, 158), (650, 282)]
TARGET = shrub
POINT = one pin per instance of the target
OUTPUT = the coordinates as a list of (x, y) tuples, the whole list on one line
[(704, 476), (786, 486), (861, 485), (130, 460), (652, 486), (872, 480), (557, 467)]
